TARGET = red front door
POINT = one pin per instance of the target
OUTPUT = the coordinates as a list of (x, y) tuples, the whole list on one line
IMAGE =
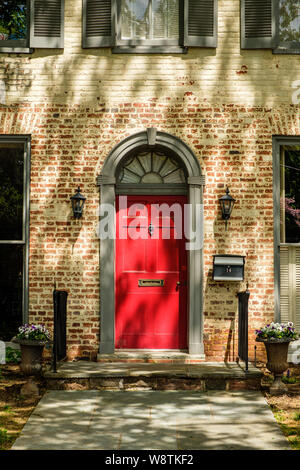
[(151, 274)]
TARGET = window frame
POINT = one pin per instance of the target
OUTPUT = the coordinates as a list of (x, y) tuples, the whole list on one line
[(287, 48), (278, 142), (149, 43), (42, 22), (18, 45), (26, 140), (283, 226), (105, 30), (256, 20)]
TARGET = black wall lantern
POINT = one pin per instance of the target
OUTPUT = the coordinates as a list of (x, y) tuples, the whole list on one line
[(78, 201), (226, 203)]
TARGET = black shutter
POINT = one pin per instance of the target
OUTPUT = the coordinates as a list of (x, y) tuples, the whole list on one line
[(200, 23), (259, 24), (47, 23), (98, 23)]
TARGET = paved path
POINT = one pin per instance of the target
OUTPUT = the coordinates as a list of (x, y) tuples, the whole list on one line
[(151, 420)]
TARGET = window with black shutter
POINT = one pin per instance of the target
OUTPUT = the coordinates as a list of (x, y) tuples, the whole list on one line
[(26, 24), (271, 24), (149, 25)]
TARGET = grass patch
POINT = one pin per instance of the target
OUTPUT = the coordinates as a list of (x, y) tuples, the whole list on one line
[(5, 439), (286, 407), (295, 442), (8, 409), (291, 432), (287, 418)]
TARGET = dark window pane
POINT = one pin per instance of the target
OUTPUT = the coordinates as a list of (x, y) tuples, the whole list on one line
[(11, 288), (11, 191), (290, 195), (13, 19), (289, 20)]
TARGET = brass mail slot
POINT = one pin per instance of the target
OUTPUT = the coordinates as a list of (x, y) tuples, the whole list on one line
[(151, 282)]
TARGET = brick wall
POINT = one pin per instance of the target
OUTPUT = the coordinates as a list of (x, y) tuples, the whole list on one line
[(226, 74), (226, 104)]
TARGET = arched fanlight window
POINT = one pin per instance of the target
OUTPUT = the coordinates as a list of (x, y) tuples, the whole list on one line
[(151, 168)]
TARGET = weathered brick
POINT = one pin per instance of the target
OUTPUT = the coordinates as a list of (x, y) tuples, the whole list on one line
[(77, 105)]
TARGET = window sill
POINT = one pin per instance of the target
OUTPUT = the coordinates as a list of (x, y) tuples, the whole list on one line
[(16, 50), (149, 50), (285, 50), (289, 244)]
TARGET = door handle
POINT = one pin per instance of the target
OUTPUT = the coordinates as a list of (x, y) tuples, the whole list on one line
[(178, 283)]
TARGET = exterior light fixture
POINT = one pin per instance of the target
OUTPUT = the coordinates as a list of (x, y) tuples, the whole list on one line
[(226, 203), (78, 201)]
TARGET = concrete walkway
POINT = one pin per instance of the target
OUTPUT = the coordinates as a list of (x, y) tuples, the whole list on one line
[(151, 420)]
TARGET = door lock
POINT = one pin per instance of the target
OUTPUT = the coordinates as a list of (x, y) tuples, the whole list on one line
[(151, 230)]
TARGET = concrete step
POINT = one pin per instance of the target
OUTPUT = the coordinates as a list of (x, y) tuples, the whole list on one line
[(84, 375), (153, 357)]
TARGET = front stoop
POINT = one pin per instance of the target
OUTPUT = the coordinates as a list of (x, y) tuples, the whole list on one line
[(83, 375)]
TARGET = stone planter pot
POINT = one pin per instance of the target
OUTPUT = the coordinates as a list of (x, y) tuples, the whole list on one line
[(277, 352), (31, 355)]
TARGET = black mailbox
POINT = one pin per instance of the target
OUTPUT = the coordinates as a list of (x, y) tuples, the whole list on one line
[(228, 268)]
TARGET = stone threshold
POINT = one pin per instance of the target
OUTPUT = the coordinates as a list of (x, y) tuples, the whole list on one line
[(150, 356), (84, 375)]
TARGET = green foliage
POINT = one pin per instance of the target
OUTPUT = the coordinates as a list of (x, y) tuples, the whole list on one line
[(290, 380), (277, 331), (289, 21), (297, 416), (13, 356), (33, 332), (11, 201), (7, 409), (279, 416), (295, 443), (13, 19), (4, 437)]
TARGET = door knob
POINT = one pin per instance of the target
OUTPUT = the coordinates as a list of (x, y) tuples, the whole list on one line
[(178, 283), (150, 230)]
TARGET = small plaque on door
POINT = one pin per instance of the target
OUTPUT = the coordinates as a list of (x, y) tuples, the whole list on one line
[(151, 282)]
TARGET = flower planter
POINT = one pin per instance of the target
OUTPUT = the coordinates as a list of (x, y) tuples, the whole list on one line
[(277, 352), (32, 339), (31, 355)]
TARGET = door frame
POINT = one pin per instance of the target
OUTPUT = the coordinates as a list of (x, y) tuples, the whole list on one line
[(26, 140), (150, 138)]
